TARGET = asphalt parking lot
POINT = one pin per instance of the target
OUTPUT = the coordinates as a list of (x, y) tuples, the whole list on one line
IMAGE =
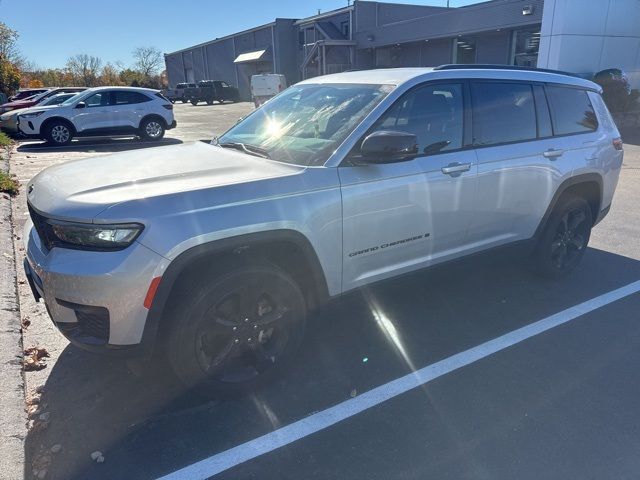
[(558, 404)]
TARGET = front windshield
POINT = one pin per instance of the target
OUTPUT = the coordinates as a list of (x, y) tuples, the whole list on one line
[(305, 123), (57, 99)]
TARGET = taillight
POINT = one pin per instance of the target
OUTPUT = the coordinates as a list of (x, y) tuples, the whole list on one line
[(617, 143), (168, 107)]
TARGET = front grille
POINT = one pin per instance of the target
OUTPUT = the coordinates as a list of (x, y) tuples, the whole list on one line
[(92, 327), (42, 227)]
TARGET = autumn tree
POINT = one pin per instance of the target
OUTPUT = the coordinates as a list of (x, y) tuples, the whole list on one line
[(9, 76)]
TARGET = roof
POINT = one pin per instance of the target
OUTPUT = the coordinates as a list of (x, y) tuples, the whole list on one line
[(139, 89), (397, 76)]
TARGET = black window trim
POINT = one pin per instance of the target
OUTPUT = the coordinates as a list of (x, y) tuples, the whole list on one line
[(544, 86), (467, 126)]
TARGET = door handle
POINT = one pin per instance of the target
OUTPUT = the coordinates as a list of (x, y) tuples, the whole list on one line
[(455, 169), (553, 153)]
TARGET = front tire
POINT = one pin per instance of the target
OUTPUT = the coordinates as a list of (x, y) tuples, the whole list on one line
[(58, 133), (152, 129), (564, 239), (238, 331), (194, 102)]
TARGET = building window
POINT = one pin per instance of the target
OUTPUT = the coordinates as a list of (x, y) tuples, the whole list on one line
[(344, 28), (526, 44), (465, 50)]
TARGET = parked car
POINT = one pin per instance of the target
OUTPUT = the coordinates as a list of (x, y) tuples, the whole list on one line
[(3, 98), (9, 120), (178, 93), (212, 91), (265, 86), (616, 89), (31, 101), (215, 253), (26, 93), (101, 111)]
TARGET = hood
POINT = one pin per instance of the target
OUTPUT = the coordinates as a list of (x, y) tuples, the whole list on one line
[(19, 104), (81, 189), (21, 111)]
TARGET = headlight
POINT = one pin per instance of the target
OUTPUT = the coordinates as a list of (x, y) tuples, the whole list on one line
[(91, 236), (32, 114)]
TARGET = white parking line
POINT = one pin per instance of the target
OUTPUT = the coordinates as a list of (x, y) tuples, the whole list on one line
[(326, 418)]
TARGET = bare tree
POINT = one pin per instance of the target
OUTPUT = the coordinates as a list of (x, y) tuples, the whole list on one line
[(148, 60), (84, 69)]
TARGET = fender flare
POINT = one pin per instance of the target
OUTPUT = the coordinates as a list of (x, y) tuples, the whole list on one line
[(564, 186), (199, 252)]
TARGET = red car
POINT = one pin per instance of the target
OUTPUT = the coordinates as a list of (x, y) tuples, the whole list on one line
[(26, 93), (33, 100)]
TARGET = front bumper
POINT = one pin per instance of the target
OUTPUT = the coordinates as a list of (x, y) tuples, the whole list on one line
[(173, 124), (95, 299)]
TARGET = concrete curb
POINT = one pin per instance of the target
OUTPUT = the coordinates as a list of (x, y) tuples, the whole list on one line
[(13, 430)]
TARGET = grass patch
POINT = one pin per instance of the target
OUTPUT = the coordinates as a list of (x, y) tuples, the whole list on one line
[(8, 184), (4, 140)]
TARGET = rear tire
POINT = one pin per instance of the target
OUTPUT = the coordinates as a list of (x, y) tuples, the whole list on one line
[(152, 129), (184, 100), (58, 133), (194, 102), (236, 332), (209, 102), (564, 238)]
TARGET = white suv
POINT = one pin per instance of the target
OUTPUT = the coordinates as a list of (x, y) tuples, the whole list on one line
[(102, 111), (214, 253)]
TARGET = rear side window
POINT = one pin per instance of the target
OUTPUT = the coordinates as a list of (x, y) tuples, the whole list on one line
[(571, 110), (503, 113), (128, 98)]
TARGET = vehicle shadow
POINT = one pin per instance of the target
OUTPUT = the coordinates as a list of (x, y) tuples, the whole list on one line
[(96, 145), (149, 426)]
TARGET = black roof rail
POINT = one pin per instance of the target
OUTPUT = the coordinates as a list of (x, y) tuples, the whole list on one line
[(480, 66)]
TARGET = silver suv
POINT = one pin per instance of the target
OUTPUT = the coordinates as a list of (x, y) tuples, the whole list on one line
[(214, 254)]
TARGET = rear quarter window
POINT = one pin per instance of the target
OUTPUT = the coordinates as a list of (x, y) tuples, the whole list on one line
[(571, 110)]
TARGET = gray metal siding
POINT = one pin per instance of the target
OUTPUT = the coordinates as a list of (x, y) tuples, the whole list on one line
[(465, 20), (175, 72)]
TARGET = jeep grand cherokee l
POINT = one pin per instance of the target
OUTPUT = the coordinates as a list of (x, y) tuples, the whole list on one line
[(214, 254)]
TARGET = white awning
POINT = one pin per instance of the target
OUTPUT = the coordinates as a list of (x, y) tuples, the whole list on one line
[(250, 56)]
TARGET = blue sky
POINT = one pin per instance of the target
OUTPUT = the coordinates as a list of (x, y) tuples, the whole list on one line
[(52, 31)]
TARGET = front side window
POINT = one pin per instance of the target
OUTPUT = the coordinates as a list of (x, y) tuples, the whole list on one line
[(571, 110), (433, 113), (502, 113), (306, 123), (100, 99)]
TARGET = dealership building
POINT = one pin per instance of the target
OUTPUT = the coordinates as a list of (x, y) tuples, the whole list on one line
[(579, 36)]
